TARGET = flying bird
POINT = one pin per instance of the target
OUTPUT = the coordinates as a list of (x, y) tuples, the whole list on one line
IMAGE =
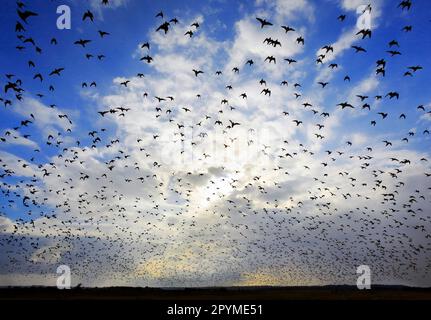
[(263, 22), (164, 27), (88, 15)]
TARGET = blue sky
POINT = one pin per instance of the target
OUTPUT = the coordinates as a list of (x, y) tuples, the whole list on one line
[(190, 189)]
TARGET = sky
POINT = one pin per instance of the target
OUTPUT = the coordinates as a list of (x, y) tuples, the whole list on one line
[(215, 184)]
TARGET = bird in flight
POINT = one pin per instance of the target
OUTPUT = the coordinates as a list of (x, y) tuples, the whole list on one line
[(56, 71), (82, 42), (263, 22), (287, 29), (24, 15), (88, 15), (345, 105), (197, 72), (164, 27), (359, 49)]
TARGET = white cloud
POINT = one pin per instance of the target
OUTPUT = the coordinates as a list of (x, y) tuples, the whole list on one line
[(16, 138), (292, 10), (44, 116), (97, 6), (248, 44)]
